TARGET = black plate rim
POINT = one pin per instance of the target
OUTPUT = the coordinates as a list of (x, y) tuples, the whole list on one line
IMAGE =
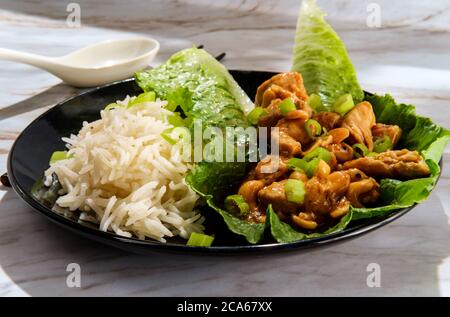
[(125, 243)]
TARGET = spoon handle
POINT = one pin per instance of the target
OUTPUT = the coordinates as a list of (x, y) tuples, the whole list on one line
[(27, 58)]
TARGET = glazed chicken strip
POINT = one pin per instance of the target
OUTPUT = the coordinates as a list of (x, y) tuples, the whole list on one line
[(360, 121), (249, 191), (293, 135), (333, 141), (270, 169), (403, 164), (275, 195), (394, 132), (330, 196), (328, 120), (281, 86), (272, 116)]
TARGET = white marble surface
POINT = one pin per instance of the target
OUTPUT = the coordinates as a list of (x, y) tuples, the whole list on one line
[(408, 57)]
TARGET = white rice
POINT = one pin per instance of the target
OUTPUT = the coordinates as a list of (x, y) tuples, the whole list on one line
[(124, 176)]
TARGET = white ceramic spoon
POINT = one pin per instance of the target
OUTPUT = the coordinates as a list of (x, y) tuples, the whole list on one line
[(94, 65)]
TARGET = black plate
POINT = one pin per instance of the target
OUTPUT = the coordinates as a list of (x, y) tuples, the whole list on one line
[(30, 154)]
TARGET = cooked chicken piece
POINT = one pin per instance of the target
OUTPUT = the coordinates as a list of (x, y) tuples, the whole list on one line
[(328, 120), (297, 115), (394, 132), (281, 86), (323, 194), (329, 196), (287, 145), (402, 164), (299, 175), (305, 220), (293, 135), (363, 192), (335, 136), (270, 169), (343, 152), (339, 135), (272, 116), (355, 175), (249, 191), (333, 142), (360, 121), (276, 196)]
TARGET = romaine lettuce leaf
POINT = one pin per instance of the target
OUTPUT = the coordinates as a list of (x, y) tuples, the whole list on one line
[(321, 57), (201, 85), (204, 90), (214, 181), (419, 134)]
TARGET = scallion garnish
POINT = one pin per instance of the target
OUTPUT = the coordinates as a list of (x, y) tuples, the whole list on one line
[(382, 145), (236, 204), (313, 128), (360, 150), (200, 240), (315, 102), (142, 98), (255, 114), (58, 156), (344, 104), (320, 153), (295, 191), (286, 106)]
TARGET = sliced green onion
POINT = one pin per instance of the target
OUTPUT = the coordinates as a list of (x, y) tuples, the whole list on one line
[(237, 204), (176, 120), (142, 98), (113, 106), (308, 167), (360, 150), (296, 163), (255, 114), (295, 191), (313, 128), (286, 106), (382, 145), (320, 153), (166, 136), (344, 104), (58, 156), (200, 240), (372, 154), (315, 102), (312, 167)]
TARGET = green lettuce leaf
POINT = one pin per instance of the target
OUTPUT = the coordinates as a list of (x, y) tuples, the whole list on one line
[(204, 90), (202, 86), (214, 181), (419, 134), (321, 57)]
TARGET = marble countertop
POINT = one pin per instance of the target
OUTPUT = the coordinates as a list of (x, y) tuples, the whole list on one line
[(409, 57)]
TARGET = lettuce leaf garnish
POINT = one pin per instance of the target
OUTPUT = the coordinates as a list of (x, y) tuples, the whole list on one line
[(201, 86), (420, 134), (197, 83), (214, 181), (321, 57)]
